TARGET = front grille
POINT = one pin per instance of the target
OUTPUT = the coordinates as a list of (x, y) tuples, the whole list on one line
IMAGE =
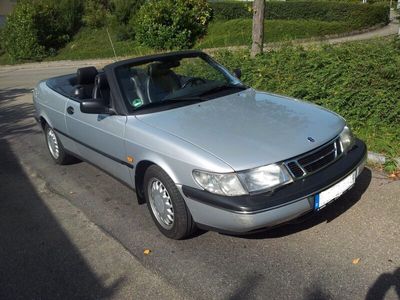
[(315, 166), (316, 160), (295, 169), (326, 150)]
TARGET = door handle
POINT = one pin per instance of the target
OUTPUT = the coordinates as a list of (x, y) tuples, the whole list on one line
[(70, 110)]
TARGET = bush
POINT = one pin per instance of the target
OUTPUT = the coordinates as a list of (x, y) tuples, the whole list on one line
[(21, 33), (69, 13), (123, 15), (124, 10), (96, 13), (171, 24), (355, 13), (37, 29)]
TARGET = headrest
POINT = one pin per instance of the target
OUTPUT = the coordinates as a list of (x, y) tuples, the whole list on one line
[(86, 75), (101, 81), (161, 68), (156, 69)]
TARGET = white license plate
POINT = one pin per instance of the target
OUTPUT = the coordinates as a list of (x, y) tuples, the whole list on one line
[(335, 191)]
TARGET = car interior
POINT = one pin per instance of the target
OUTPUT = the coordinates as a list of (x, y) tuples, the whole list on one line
[(150, 84)]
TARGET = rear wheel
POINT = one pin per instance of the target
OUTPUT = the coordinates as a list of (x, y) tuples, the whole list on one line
[(166, 205), (55, 147)]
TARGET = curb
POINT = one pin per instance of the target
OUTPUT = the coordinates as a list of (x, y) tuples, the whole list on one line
[(380, 159)]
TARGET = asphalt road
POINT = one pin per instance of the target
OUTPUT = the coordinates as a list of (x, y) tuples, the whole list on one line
[(311, 260)]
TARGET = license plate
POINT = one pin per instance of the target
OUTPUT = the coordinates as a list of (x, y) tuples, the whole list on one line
[(334, 192)]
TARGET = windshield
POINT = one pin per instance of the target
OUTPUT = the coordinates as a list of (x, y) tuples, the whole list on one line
[(170, 82)]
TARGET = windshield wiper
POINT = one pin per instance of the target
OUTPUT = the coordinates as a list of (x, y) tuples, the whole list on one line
[(223, 87), (184, 98)]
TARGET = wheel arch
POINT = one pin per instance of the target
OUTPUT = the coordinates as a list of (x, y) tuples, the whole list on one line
[(140, 170), (44, 120)]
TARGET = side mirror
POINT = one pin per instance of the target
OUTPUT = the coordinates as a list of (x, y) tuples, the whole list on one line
[(94, 106), (238, 73)]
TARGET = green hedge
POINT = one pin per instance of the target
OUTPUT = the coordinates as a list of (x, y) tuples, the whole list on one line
[(363, 15), (231, 10), (225, 33)]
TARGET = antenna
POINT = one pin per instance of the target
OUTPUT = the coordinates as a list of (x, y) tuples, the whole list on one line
[(112, 45)]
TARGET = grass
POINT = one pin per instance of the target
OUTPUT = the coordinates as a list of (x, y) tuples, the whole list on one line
[(94, 43), (237, 32), (358, 80)]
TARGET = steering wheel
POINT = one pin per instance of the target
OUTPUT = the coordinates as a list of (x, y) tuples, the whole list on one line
[(193, 81)]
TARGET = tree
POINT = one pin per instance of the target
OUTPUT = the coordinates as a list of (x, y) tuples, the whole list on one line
[(258, 27)]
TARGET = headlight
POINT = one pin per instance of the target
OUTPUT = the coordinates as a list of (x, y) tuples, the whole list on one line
[(236, 184), (265, 178), (346, 138), (222, 184)]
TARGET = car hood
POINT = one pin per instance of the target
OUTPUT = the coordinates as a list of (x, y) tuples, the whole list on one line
[(250, 128)]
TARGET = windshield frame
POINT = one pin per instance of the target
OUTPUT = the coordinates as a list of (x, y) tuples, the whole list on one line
[(131, 63)]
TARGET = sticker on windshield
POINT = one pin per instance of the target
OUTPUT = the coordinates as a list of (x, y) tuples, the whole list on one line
[(136, 102)]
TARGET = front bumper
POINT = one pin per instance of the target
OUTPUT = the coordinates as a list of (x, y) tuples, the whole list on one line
[(250, 212)]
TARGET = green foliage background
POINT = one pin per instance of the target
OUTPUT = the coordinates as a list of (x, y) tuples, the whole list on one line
[(40, 28)]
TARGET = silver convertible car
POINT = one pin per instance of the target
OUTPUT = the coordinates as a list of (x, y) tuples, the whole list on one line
[(197, 145)]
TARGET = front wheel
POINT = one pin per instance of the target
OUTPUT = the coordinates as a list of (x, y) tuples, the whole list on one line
[(55, 147), (166, 205)]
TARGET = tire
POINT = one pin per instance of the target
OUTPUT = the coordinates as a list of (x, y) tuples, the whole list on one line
[(159, 186), (56, 149)]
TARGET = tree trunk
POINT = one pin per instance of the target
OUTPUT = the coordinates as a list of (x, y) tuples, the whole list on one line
[(258, 27)]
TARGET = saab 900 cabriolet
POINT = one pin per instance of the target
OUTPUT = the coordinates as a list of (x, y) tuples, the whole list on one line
[(197, 145)]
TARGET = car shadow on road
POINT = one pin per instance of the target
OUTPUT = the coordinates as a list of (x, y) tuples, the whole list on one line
[(247, 287), (382, 285), (10, 94), (15, 115), (327, 214), (37, 259)]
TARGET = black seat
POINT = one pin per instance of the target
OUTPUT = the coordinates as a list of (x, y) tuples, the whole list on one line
[(85, 82), (101, 89), (161, 81)]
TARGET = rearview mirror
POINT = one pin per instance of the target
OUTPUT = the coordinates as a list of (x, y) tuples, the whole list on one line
[(94, 106), (238, 73)]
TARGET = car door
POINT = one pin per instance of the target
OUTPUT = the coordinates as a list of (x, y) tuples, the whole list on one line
[(99, 139)]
